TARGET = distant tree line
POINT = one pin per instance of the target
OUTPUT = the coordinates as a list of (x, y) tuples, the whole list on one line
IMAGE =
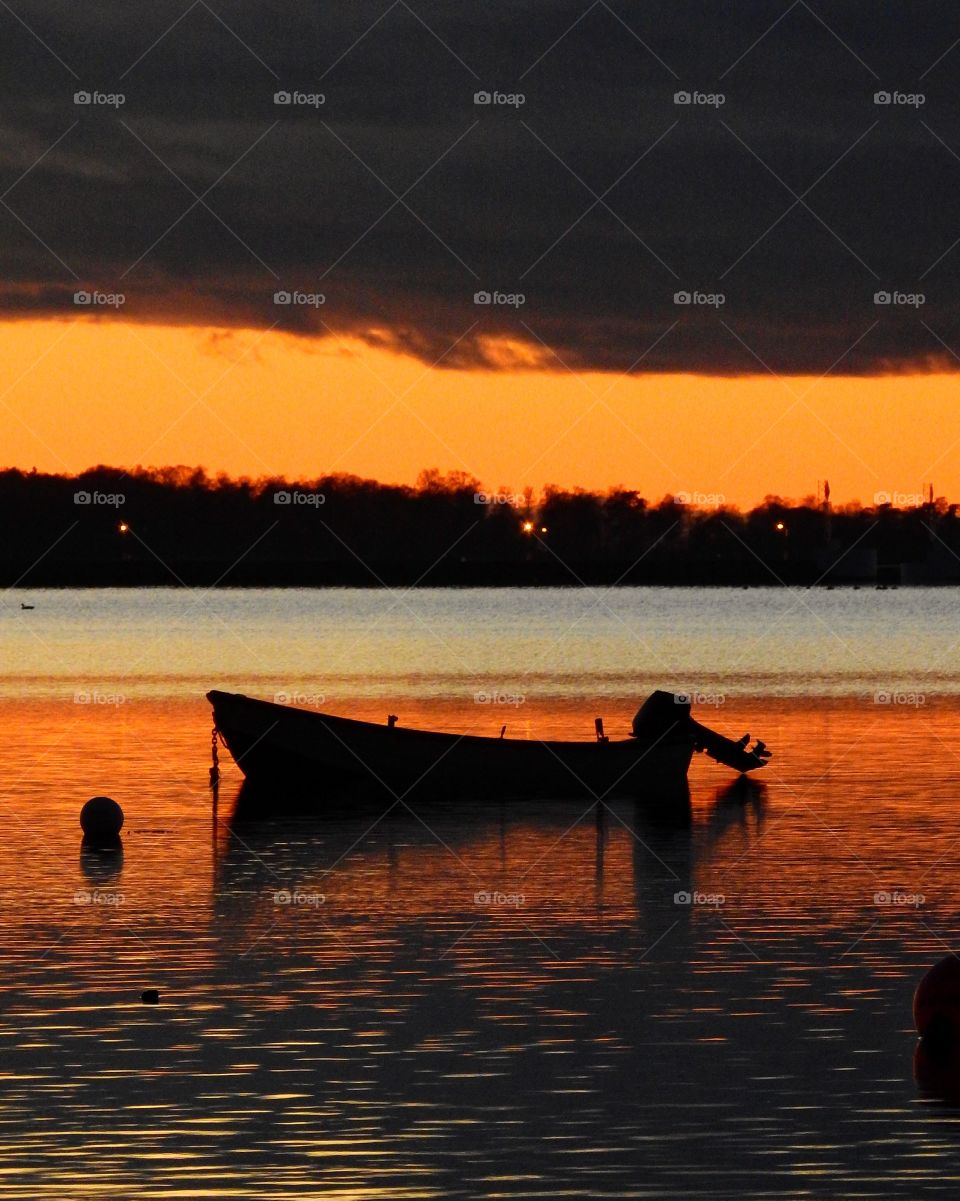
[(178, 525)]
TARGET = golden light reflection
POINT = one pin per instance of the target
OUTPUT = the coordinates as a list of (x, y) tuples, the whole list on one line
[(153, 757)]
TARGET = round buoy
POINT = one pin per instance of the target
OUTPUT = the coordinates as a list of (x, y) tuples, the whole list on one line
[(150, 996), (936, 1003), (101, 817)]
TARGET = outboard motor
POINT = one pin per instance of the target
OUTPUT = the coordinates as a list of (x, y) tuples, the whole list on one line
[(660, 713), (667, 714)]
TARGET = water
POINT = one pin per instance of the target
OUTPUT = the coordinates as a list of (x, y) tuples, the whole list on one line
[(502, 1002)]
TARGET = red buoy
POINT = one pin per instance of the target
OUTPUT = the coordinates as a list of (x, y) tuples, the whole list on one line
[(936, 1003)]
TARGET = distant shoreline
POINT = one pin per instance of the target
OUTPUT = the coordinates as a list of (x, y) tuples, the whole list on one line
[(392, 576), (178, 527)]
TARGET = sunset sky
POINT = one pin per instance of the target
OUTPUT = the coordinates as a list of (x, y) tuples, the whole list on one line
[(796, 175), (255, 403)]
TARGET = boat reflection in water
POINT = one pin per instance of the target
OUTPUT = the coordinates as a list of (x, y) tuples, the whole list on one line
[(551, 865)]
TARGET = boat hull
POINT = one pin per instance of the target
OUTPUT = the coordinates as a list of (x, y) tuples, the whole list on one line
[(293, 748)]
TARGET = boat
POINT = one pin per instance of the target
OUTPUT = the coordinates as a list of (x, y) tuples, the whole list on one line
[(279, 745)]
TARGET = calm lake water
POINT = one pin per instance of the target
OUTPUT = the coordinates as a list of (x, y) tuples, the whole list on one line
[(483, 1001)]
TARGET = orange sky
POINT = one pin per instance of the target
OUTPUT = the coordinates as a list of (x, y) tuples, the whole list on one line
[(80, 392)]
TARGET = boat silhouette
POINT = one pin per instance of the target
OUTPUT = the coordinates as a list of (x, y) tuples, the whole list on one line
[(278, 744)]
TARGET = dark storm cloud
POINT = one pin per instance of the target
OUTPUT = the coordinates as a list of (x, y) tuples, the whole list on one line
[(797, 199)]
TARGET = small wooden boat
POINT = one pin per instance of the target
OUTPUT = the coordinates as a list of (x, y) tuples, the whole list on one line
[(279, 745)]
